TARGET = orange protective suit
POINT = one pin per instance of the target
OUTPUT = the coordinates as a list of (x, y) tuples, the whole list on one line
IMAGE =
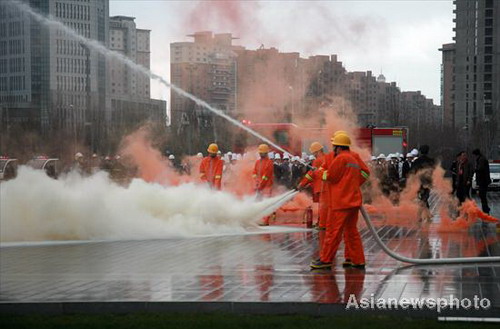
[(324, 195), (344, 177), (365, 175), (211, 171), (263, 174), (314, 178)]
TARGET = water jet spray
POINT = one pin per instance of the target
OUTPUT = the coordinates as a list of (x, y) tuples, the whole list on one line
[(100, 48)]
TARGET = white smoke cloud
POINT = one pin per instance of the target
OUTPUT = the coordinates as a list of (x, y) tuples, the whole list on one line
[(35, 207)]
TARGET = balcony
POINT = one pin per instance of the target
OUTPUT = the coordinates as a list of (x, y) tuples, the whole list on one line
[(220, 91)]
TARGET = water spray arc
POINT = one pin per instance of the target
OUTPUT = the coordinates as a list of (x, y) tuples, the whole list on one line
[(100, 48)]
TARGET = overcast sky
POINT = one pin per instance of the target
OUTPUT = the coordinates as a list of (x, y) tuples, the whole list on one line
[(399, 38)]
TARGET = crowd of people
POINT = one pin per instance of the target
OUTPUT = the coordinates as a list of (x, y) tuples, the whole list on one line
[(334, 179), (391, 172), (463, 170), (287, 169), (117, 169)]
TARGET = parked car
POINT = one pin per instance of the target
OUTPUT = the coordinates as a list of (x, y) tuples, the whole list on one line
[(8, 168), (49, 165), (494, 175)]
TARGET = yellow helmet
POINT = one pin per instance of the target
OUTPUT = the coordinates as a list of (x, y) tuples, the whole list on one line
[(213, 148), (315, 147), (343, 132), (341, 140), (263, 148)]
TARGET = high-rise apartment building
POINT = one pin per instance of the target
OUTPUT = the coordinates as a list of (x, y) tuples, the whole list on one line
[(362, 90), (265, 69), (477, 70), (325, 79), (206, 68), (388, 100), (51, 83), (277, 87), (129, 92), (47, 79), (132, 42), (448, 84)]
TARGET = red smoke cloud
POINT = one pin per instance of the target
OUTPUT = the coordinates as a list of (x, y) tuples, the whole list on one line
[(236, 17), (150, 164)]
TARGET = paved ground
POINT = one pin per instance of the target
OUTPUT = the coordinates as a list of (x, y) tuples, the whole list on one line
[(268, 267)]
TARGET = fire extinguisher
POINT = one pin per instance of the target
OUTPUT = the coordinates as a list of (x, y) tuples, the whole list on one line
[(308, 217)]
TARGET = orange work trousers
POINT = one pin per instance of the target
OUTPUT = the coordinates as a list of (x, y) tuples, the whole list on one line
[(323, 215), (266, 193), (347, 245), (337, 222)]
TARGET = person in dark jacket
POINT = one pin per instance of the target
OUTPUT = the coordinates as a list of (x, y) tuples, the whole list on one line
[(297, 171), (482, 170), (453, 171), (407, 163), (278, 169), (286, 172), (423, 166), (464, 173)]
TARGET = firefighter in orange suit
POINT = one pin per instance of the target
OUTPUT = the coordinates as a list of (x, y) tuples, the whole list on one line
[(344, 177), (313, 177), (263, 175), (211, 168), (365, 174), (325, 196)]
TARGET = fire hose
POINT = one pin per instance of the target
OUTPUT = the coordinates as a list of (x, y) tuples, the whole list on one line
[(387, 250), (282, 199)]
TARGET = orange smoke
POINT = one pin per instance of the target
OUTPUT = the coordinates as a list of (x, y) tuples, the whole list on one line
[(405, 212), (233, 16), (470, 211), (238, 177), (150, 164), (300, 202)]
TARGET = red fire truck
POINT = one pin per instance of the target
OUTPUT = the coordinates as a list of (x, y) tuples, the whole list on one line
[(297, 139)]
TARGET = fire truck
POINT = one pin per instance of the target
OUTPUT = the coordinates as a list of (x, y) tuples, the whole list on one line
[(295, 139)]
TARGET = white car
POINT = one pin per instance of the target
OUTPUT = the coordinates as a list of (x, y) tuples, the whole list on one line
[(494, 176), (8, 168), (50, 166)]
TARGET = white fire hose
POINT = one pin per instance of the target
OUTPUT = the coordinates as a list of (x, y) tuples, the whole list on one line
[(463, 260)]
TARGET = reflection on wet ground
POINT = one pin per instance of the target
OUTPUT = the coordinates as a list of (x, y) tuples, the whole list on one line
[(249, 268)]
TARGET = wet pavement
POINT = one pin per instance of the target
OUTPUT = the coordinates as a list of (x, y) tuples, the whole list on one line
[(268, 267)]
